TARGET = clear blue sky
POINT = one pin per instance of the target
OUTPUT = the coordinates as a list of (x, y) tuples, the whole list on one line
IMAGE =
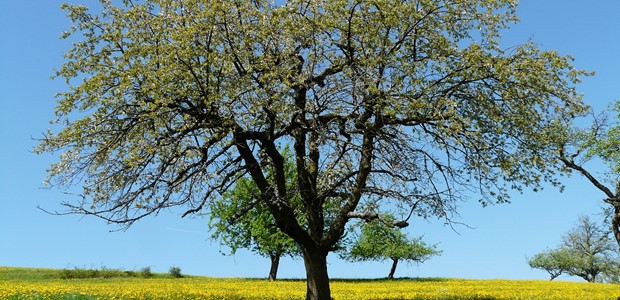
[(504, 235)]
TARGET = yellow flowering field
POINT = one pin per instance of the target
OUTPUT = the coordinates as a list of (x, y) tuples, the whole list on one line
[(211, 288)]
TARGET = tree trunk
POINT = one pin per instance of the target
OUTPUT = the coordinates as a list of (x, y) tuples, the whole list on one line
[(615, 224), (317, 280), (275, 262), (554, 276), (393, 269)]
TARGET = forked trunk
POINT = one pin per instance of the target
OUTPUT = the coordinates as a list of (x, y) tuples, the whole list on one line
[(393, 269), (275, 262), (317, 280)]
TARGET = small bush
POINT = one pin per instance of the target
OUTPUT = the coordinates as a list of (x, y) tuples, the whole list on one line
[(175, 272), (146, 272), (78, 273), (131, 274), (111, 273)]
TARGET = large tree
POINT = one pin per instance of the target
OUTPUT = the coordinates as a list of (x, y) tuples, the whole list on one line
[(582, 148), (407, 103)]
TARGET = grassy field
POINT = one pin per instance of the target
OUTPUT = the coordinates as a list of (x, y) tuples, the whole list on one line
[(22, 283)]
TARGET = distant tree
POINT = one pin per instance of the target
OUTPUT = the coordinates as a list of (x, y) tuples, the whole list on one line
[(601, 141), (593, 252), (379, 240), (255, 228), (409, 104), (555, 262), (586, 251)]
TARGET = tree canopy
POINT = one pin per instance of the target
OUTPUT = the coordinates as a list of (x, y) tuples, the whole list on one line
[(555, 262), (407, 103)]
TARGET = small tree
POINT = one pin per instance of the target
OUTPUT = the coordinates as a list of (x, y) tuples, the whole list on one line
[(238, 221), (586, 251), (380, 240), (555, 262), (255, 230)]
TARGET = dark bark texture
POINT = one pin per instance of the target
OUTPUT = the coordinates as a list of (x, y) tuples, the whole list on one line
[(275, 263), (393, 269), (316, 274)]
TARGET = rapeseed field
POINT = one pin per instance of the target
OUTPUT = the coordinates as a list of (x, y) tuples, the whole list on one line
[(211, 288)]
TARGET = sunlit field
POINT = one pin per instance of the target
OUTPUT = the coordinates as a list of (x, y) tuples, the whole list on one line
[(38, 284)]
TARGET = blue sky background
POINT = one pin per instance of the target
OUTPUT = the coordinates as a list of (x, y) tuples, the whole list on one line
[(501, 237)]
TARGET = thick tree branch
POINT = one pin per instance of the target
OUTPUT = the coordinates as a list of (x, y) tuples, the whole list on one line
[(369, 216), (571, 164)]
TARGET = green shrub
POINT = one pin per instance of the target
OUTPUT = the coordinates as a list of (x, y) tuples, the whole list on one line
[(146, 272), (131, 274), (175, 272), (78, 273), (111, 273)]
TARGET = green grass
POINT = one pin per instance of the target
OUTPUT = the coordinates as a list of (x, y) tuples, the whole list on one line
[(29, 274), (50, 284), (37, 274)]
